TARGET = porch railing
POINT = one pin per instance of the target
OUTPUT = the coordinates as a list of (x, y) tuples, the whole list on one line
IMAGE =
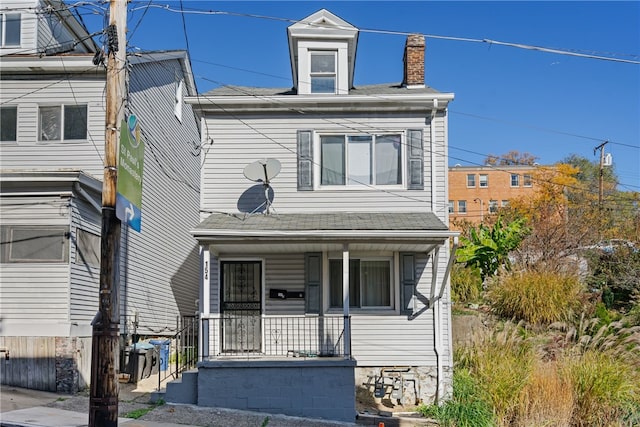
[(181, 351), (250, 335)]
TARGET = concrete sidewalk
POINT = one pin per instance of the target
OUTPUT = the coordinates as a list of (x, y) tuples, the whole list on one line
[(40, 416)]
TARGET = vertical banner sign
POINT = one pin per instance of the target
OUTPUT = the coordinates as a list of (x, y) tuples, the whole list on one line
[(130, 166)]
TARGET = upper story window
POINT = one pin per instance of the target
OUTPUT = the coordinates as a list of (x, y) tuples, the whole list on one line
[(25, 243), (515, 180), (9, 123), (451, 206), (471, 180), (63, 123), (527, 181), (462, 206), (323, 72), (360, 160), (484, 180), (10, 29), (369, 283)]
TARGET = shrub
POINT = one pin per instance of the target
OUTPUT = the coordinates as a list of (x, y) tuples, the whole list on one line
[(606, 389), (468, 407), (466, 284), (535, 297)]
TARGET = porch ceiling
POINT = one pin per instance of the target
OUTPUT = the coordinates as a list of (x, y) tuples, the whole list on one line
[(315, 232)]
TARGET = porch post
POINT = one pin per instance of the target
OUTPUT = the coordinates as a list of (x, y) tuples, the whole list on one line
[(345, 301), (205, 301)]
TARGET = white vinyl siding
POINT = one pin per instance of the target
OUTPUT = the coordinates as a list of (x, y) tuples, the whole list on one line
[(225, 183), (32, 153), (34, 293)]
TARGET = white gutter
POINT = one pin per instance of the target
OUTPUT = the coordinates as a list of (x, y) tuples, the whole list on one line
[(216, 101), (48, 64), (328, 234)]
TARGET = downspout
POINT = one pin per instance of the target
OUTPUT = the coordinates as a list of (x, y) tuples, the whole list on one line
[(432, 139), (437, 339), (345, 301)]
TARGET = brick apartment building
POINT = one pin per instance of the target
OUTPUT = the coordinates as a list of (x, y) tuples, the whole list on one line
[(475, 192)]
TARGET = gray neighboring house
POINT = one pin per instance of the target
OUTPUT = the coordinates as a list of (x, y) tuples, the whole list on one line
[(52, 101), (335, 274)]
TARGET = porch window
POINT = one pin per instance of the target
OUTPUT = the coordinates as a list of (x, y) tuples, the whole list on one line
[(24, 243), (361, 160), (369, 283), (9, 123)]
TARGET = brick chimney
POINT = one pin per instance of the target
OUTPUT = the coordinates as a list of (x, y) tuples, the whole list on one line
[(414, 61)]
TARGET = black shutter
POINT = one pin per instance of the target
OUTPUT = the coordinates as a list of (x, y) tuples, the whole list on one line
[(407, 282), (313, 282), (305, 161), (415, 160)]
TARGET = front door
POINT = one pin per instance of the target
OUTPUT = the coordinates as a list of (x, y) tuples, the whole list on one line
[(241, 306)]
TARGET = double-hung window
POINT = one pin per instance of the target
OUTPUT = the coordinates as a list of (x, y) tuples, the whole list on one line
[(484, 180), (369, 283), (8, 123), (515, 180), (493, 206), (323, 71), (10, 29), (63, 123), (471, 180), (527, 181), (361, 159), (462, 206)]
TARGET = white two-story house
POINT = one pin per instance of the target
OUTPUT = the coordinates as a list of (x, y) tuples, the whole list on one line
[(52, 105), (324, 231)]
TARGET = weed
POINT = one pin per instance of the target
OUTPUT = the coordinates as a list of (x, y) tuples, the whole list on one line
[(469, 407), (466, 284), (61, 399), (265, 422), (137, 413)]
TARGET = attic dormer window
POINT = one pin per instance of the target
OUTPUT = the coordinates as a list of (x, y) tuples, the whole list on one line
[(323, 72)]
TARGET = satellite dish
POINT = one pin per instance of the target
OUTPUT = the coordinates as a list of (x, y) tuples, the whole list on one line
[(263, 171)]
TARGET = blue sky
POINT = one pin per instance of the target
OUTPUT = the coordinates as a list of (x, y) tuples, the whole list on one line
[(506, 98)]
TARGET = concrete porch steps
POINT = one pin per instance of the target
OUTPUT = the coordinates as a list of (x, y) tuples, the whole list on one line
[(184, 389)]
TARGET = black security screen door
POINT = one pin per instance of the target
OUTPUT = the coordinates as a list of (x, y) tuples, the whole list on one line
[(241, 306)]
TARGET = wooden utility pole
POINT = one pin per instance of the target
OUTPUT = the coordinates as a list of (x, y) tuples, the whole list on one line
[(103, 404), (601, 175)]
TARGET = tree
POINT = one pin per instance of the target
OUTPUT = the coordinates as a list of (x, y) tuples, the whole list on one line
[(510, 159), (487, 248)]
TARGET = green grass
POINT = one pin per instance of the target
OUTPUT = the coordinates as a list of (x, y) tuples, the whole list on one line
[(468, 408), (137, 413)]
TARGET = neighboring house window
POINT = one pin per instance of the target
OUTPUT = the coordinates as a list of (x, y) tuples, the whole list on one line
[(360, 160), (88, 248), (504, 203), (10, 29), (462, 206), (451, 206), (8, 123), (515, 180), (63, 123), (527, 181), (323, 72), (24, 243), (471, 180), (484, 180), (493, 206), (369, 283)]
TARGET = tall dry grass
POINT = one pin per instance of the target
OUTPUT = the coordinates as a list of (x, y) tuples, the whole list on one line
[(546, 400), (536, 297)]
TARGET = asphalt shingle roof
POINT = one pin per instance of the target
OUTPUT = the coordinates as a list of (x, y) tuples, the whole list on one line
[(380, 221), (377, 89)]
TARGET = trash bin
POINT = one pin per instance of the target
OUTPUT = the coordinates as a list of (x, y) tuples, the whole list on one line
[(141, 359), (163, 346)]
